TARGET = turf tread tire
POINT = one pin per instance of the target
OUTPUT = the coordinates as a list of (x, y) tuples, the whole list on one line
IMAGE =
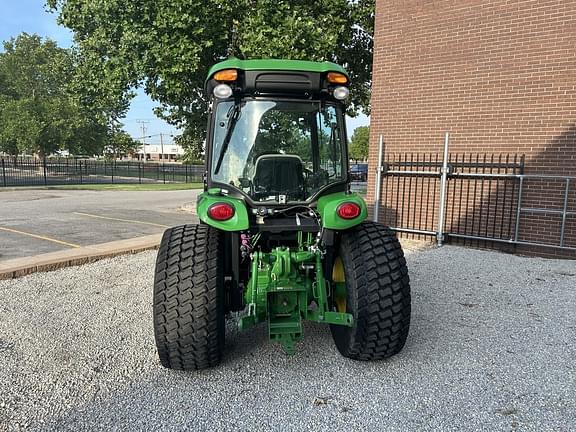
[(378, 293), (188, 299)]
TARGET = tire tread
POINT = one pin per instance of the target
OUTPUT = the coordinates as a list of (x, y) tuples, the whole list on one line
[(377, 279), (188, 300)]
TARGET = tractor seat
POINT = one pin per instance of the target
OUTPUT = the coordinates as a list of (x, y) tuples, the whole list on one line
[(279, 174)]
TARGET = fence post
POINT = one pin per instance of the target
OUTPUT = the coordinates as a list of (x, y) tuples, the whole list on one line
[(44, 166), (3, 172), (379, 170), (163, 172), (443, 185), (140, 172), (80, 162), (186, 171), (518, 209), (113, 163), (564, 212)]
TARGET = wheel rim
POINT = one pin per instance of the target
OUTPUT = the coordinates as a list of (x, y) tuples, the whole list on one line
[(339, 279)]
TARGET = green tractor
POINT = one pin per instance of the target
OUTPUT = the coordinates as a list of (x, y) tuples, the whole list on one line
[(282, 239)]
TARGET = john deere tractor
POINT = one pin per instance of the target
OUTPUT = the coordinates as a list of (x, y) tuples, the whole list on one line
[(281, 239)]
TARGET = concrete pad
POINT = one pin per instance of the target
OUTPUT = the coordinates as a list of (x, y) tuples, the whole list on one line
[(72, 257)]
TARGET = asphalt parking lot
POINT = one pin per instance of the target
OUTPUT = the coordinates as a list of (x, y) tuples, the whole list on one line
[(39, 221), (491, 348), (35, 221)]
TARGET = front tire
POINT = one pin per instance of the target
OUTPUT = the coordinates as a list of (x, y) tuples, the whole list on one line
[(377, 294), (188, 306)]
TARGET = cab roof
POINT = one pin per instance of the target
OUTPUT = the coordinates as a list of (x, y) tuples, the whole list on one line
[(276, 65)]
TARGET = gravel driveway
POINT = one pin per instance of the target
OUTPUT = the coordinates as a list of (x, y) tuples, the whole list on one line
[(492, 347)]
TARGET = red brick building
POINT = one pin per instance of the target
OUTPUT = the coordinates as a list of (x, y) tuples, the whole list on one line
[(500, 75)]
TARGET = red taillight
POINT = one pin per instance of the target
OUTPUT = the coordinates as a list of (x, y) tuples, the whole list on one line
[(348, 210), (221, 211)]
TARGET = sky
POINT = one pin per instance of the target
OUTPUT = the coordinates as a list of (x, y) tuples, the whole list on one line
[(31, 16)]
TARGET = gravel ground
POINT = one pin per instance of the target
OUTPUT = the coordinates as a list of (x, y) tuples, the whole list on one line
[(492, 347)]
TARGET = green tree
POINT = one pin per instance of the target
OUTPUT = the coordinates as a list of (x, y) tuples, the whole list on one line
[(359, 143), (119, 144), (43, 105), (32, 74), (168, 46)]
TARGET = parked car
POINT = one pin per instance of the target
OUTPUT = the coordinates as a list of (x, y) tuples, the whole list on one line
[(359, 172)]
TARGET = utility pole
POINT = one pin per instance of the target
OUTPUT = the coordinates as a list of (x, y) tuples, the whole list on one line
[(143, 125), (161, 149)]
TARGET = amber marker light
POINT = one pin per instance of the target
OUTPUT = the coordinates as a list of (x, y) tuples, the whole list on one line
[(337, 78), (226, 75)]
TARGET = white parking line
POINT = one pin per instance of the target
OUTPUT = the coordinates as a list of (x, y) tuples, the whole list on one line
[(121, 219), (50, 239)]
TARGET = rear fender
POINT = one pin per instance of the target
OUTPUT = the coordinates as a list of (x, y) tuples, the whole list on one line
[(328, 206), (238, 222)]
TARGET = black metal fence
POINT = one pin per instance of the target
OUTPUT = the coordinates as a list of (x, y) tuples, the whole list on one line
[(35, 172), (475, 198), (480, 200)]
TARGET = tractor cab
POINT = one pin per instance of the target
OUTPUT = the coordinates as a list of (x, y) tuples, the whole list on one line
[(277, 133)]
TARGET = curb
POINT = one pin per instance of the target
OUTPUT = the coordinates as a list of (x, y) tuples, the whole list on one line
[(18, 267)]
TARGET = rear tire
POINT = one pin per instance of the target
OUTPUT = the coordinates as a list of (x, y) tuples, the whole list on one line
[(377, 293), (188, 307)]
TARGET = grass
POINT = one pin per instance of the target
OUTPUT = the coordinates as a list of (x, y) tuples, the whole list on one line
[(120, 187)]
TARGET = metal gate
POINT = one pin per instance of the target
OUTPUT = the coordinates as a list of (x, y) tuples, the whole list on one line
[(473, 197)]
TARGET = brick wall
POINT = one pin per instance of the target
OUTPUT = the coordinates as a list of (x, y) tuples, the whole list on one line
[(500, 75)]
